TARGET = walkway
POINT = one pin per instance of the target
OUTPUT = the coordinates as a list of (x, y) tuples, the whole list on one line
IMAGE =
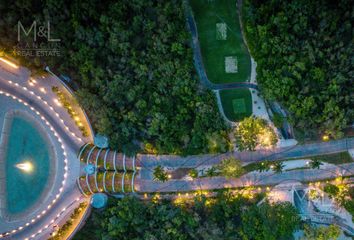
[(300, 151), (54, 121), (250, 179)]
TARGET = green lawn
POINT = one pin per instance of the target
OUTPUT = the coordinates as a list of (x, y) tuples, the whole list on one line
[(207, 14), (335, 158), (237, 103)]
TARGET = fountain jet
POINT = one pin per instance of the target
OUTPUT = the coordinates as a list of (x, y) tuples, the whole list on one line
[(25, 166)]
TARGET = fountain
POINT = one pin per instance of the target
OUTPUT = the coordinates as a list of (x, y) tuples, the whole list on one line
[(25, 166)]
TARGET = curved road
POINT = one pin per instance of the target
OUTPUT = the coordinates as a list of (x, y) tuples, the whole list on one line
[(52, 119)]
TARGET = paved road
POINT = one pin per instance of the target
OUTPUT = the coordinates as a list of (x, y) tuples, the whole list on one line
[(299, 151), (250, 179)]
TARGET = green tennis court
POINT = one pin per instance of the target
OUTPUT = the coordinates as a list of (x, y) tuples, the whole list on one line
[(239, 105), (236, 103)]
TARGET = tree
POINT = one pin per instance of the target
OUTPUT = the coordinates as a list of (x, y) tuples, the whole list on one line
[(339, 192), (278, 167), (263, 166), (331, 232), (160, 174), (253, 132), (299, 65), (269, 221), (219, 218), (193, 173), (211, 172), (231, 168), (278, 120), (131, 218), (315, 164), (132, 69), (331, 189)]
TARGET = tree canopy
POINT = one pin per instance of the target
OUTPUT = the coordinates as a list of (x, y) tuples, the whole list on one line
[(304, 52), (254, 132), (160, 174), (222, 218), (331, 232), (230, 167), (132, 63)]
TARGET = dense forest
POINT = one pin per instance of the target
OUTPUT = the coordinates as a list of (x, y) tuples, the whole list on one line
[(132, 63), (304, 54), (224, 217)]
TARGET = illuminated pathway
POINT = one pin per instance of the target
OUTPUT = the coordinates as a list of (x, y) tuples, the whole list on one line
[(250, 179), (299, 151), (113, 182)]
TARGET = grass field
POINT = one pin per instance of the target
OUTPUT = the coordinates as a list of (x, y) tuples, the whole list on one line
[(213, 44), (237, 103)]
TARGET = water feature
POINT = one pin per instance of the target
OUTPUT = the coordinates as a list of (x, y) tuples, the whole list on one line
[(27, 165)]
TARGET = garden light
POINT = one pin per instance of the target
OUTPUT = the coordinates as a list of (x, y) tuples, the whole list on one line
[(325, 138)]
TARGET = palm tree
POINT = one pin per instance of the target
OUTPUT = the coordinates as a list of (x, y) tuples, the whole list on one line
[(263, 166), (160, 174), (315, 164), (278, 167), (211, 172), (193, 173)]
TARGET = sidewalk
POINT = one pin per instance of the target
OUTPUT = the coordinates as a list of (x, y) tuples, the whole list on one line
[(298, 151)]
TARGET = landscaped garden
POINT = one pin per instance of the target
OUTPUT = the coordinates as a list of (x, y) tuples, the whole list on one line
[(225, 55), (236, 103)]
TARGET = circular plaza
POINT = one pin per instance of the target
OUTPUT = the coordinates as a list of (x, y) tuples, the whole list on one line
[(39, 142)]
